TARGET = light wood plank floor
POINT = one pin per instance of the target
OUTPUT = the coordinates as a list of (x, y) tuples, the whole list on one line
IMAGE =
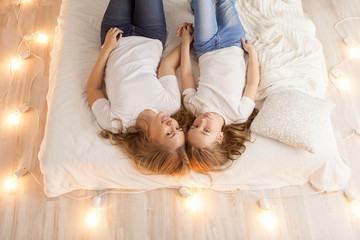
[(162, 214)]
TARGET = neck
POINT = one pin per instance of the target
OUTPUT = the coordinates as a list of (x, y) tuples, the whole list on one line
[(144, 119)]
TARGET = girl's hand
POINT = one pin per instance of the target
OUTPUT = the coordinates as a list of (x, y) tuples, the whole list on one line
[(182, 26), (178, 31), (112, 39), (186, 32), (248, 47)]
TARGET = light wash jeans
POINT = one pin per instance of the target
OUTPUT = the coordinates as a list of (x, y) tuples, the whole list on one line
[(135, 18), (216, 29)]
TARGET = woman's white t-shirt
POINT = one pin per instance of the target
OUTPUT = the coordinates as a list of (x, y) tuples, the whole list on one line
[(221, 86), (132, 84)]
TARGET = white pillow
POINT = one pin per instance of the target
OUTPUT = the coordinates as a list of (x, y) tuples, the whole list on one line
[(293, 117)]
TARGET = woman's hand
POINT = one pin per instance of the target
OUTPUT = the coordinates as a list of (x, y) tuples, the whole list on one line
[(248, 47), (180, 27), (186, 32), (112, 39)]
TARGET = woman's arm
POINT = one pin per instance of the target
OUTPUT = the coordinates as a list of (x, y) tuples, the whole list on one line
[(187, 76), (170, 63), (93, 89), (253, 71)]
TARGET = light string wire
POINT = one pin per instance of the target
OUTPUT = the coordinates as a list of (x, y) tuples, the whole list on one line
[(12, 76), (23, 41), (344, 20)]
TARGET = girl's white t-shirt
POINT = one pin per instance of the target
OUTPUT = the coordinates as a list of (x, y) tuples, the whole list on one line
[(132, 85), (221, 86)]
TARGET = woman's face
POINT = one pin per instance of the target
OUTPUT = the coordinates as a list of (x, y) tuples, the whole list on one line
[(166, 131), (205, 130)]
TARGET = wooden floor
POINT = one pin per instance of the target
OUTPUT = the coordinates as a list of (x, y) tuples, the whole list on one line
[(163, 214)]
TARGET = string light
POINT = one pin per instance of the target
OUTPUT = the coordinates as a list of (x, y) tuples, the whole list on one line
[(194, 203), (11, 183), (38, 36), (15, 64), (93, 216), (17, 61), (18, 2), (354, 50), (267, 220), (355, 203), (185, 192), (14, 118), (342, 82)]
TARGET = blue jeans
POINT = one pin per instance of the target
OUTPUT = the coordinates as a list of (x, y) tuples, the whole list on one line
[(216, 30), (135, 18)]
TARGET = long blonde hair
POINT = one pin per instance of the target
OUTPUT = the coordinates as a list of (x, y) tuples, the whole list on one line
[(149, 158), (219, 157)]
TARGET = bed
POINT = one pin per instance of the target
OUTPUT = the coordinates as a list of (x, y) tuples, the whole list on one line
[(73, 156)]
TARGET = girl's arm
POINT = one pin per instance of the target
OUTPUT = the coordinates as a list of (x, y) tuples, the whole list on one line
[(93, 89), (253, 71), (170, 63), (187, 76)]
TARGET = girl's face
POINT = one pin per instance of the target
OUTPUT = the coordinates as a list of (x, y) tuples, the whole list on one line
[(166, 131), (205, 130)]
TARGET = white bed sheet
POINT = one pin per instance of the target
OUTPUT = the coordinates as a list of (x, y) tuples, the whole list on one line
[(73, 156)]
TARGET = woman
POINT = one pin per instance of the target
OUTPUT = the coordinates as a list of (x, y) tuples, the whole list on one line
[(222, 107), (135, 113)]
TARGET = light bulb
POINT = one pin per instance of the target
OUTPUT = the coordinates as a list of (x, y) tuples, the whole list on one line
[(11, 183), (267, 220), (14, 118), (354, 52), (15, 63), (92, 217), (40, 37), (344, 84), (194, 203), (355, 204)]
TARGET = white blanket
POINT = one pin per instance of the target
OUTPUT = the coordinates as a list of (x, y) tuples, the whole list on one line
[(290, 55), (73, 156)]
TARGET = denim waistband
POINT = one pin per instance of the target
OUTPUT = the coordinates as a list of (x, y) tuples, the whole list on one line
[(217, 46)]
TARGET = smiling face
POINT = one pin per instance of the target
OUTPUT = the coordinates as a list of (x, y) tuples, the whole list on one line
[(205, 130), (166, 131)]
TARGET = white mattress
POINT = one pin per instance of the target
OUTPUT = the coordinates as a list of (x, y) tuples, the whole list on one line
[(73, 156)]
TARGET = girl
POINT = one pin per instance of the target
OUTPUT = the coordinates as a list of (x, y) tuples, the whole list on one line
[(135, 113), (222, 106)]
